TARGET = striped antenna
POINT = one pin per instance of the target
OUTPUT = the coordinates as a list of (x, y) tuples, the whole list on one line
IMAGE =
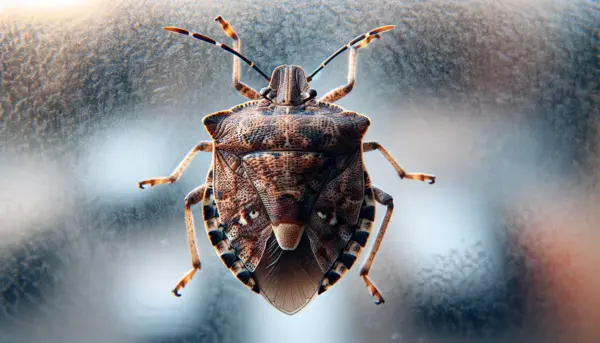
[(221, 45), (362, 40)]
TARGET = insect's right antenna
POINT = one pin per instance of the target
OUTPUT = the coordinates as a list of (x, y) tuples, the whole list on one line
[(366, 38), (221, 45)]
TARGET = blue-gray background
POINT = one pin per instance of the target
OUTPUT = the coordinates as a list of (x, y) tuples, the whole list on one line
[(499, 99)]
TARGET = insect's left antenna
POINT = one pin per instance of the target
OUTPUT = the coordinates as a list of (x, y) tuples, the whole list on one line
[(221, 45)]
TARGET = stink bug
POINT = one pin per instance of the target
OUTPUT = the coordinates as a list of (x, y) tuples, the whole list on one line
[(288, 204)]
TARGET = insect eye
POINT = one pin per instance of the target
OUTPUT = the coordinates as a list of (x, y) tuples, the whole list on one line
[(265, 91), (309, 95), (253, 214)]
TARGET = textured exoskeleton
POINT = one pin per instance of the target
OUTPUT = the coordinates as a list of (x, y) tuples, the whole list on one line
[(288, 204)]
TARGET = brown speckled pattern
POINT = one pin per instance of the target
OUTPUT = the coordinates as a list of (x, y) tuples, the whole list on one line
[(288, 182), (237, 249), (300, 166), (241, 213), (360, 234), (336, 212), (288, 203), (250, 127)]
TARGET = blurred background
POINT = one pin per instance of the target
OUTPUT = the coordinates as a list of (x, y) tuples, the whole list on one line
[(499, 99)]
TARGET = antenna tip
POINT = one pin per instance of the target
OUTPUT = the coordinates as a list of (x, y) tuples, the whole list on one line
[(176, 29), (218, 18), (386, 28)]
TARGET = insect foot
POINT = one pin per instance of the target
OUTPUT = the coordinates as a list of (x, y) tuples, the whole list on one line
[(155, 181), (184, 281), (373, 289), (419, 177)]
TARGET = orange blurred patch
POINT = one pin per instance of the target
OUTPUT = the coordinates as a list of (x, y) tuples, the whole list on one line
[(563, 272)]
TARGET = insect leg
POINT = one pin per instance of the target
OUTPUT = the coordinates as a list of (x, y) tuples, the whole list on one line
[(244, 89), (191, 199), (202, 146), (370, 146), (340, 92), (387, 200)]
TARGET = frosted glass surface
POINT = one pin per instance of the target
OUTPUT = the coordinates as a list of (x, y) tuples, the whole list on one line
[(499, 99)]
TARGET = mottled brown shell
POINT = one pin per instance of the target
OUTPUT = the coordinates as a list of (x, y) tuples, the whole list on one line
[(289, 188)]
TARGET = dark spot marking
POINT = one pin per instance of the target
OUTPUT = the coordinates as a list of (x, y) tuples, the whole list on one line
[(215, 236), (361, 237), (328, 237), (244, 276), (321, 251), (367, 212), (333, 277), (322, 287), (348, 260), (210, 212), (228, 258)]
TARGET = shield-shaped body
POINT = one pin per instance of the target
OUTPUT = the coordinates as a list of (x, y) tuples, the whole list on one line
[(288, 204)]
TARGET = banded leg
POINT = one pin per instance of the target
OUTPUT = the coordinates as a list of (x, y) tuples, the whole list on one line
[(202, 146), (244, 89), (191, 199), (340, 92), (387, 200), (221, 244), (370, 146)]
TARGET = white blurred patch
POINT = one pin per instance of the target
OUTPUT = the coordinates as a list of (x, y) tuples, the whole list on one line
[(6, 4), (142, 300), (448, 233), (33, 195), (117, 160), (120, 156), (440, 220)]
